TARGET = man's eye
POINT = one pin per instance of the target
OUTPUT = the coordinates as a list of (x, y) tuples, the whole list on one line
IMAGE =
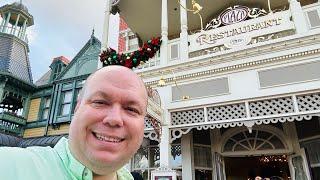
[(98, 102), (133, 110)]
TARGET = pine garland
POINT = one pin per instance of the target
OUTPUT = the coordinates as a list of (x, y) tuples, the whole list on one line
[(133, 59)]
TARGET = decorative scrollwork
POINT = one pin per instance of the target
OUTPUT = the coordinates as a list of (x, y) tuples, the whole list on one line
[(214, 23), (177, 133), (154, 95), (242, 12), (155, 124), (256, 12), (152, 135)]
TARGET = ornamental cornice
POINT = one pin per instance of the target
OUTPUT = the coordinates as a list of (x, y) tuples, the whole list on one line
[(235, 67), (233, 56)]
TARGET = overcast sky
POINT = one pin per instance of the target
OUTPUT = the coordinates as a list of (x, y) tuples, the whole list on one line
[(61, 28)]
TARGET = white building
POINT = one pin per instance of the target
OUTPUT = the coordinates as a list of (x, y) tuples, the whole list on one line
[(241, 97)]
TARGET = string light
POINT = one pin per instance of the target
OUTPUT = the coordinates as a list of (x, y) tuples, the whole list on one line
[(276, 158)]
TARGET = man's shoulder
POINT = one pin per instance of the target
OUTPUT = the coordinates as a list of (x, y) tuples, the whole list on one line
[(29, 163), (24, 152)]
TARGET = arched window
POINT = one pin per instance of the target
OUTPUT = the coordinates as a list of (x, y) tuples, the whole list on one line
[(258, 140)]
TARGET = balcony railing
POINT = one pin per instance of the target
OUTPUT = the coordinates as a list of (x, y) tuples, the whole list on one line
[(13, 118), (15, 32)]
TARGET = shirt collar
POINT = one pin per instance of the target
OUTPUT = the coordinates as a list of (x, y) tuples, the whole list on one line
[(78, 170), (72, 165)]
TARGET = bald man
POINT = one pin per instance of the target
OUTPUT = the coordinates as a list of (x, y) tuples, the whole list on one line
[(105, 132)]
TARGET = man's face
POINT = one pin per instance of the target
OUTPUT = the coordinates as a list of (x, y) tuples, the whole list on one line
[(107, 128)]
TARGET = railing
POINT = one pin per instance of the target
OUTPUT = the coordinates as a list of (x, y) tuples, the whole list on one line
[(10, 127), (13, 118), (15, 32)]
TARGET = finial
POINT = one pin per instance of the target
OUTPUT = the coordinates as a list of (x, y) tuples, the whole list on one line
[(92, 32), (92, 36), (20, 1)]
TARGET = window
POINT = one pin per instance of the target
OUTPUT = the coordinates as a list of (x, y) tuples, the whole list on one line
[(66, 103), (202, 154), (312, 149), (75, 98), (146, 159), (45, 108)]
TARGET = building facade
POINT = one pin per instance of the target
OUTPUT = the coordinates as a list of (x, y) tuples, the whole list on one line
[(239, 95)]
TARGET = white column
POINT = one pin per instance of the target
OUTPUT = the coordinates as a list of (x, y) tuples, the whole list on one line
[(13, 30), (23, 30), (184, 51), (186, 153), (105, 33), (2, 22), (164, 33), (298, 16), (165, 149), (6, 22)]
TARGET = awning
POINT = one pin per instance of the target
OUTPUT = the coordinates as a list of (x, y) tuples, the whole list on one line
[(41, 141), (7, 140)]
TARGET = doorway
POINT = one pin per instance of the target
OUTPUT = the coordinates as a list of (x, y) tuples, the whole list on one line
[(274, 167)]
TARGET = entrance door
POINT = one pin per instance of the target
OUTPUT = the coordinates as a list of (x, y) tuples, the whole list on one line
[(274, 167)]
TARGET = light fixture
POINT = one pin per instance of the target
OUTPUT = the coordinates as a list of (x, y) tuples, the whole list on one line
[(196, 8), (162, 82)]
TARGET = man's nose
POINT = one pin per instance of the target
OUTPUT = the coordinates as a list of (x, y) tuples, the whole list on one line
[(113, 116)]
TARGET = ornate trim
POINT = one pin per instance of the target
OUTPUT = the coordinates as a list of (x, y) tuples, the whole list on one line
[(152, 135), (235, 67), (244, 12), (178, 132)]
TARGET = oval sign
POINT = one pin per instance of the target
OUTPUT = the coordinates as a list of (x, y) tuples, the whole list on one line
[(234, 15)]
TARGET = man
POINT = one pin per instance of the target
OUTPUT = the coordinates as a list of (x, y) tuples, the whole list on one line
[(106, 131)]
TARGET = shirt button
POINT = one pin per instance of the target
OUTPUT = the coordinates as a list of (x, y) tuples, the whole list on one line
[(85, 173)]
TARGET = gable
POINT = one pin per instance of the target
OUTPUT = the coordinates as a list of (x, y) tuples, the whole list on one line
[(84, 63)]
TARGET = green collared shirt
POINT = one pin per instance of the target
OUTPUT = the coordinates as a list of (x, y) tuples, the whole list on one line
[(37, 163)]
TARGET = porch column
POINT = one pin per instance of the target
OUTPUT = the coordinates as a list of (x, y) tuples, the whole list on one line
[(187, 156), (6, 23), (184, 51), (298, 16), (164, 33), (165, 148), (105, 32), (26, 107), (2, 85), (13, 30), (2, 22), (23, 30)]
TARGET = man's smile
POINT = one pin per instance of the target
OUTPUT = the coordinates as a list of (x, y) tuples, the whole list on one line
[(106, 138)]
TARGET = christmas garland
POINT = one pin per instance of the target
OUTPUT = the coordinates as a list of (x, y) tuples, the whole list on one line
[(133, 59)]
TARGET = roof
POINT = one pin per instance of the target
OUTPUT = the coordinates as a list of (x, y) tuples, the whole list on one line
[(8, 140), (41, 141), (63, 59), (19, 5), (44, 79)]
